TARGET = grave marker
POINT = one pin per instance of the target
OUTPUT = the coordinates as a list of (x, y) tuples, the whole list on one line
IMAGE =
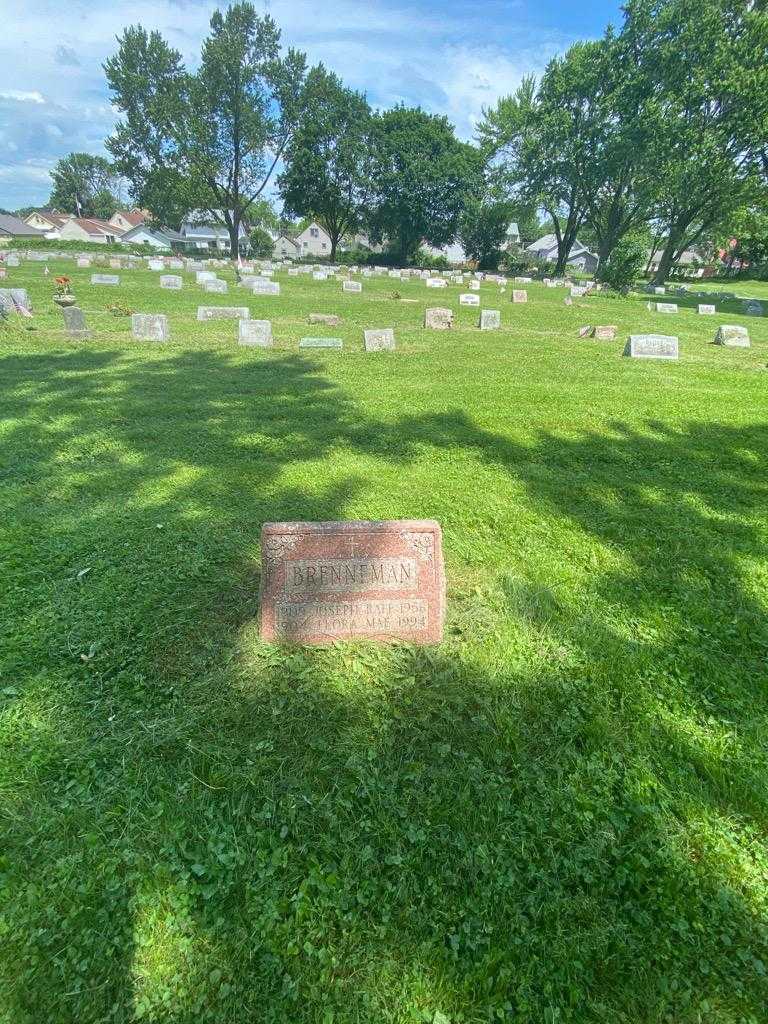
[(223, 313), (321, 343), (732, 336), (351, 286), (216, 286), (149, 327), (438, 319), (255, 333), (324, 582), (469, 299), (329, 319), (651, 346), (105, 279), (519, 295), (666, 307), (490, 319), (379, 340), (74, 323), (705, 310)]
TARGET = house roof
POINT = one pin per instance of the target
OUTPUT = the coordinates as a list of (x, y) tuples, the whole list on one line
[(134, 217), (161, 234), (548, 243), (10, 225), (94, 226), (57, 219)]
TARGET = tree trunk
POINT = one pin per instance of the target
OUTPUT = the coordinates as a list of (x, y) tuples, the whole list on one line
[(667, 258), (234, 239)]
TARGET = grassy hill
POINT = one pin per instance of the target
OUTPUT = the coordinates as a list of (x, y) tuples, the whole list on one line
[(557, 815)]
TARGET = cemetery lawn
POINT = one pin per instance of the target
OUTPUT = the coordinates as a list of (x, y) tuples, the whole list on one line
[(558, 815)]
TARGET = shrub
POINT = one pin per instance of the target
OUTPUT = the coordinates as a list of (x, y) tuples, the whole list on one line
[(626, 262)]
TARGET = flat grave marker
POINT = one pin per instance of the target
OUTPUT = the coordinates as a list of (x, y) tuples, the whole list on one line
[(706, 310), (351, 286), (321, 343), (651, 346), (172, 281), (519, 295), (112, 279), (223, 313), (325, 582), (469, 299)]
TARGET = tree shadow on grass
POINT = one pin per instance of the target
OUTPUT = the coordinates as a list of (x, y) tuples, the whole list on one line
[(203, 827)]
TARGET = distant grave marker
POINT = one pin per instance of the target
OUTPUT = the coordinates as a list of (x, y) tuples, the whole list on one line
[(256, 333), (149, 327), (490, 319), (111, 279), (379, 340), (321, 343), (223, 313), (652, 346), (438, 319), (74, 323), (519, 295), (732, 336)]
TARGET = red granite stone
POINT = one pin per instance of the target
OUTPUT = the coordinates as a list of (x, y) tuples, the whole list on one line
[(323, 582)]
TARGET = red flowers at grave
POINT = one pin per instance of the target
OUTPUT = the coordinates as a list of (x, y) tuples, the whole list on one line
[(62, 285)]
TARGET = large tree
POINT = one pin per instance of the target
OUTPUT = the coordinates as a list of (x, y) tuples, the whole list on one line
[(422, 178), (709, 63), (84, 185), (328, 174), (208, 139)]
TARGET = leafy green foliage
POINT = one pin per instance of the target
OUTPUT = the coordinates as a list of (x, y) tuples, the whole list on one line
[(211, 139), (329, 160), (483, 228), (422, 178), (261, 244), (84, 186), (626, 262)]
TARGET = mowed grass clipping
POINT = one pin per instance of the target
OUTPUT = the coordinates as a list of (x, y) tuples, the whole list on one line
[(557, 815)]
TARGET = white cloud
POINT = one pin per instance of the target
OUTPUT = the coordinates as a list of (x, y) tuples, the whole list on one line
[(21, 97), (449, 59)]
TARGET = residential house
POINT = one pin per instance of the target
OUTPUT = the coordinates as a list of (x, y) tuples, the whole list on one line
[(314, 241), (89, 229), (453, 253), (512, 238), (286, 248), (580, 258), (126, 220), (50, 223), (162, 239), (208, 236), (12, 228)]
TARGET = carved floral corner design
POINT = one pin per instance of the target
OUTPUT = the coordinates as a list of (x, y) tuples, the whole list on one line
[(422, 543), (277, 547)]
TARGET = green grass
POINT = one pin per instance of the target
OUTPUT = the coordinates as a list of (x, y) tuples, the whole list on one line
[(558, 815)]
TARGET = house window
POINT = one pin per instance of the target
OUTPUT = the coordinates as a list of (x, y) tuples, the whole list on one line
[(314, 233), (323, 245)]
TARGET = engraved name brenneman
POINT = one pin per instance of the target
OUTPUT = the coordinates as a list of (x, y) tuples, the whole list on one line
[(350, 575)]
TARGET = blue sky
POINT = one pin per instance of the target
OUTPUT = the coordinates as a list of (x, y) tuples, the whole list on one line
[(451, 57)]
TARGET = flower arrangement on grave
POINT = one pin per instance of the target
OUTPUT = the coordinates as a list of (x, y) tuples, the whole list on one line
[(63, 295), (116, 309)]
